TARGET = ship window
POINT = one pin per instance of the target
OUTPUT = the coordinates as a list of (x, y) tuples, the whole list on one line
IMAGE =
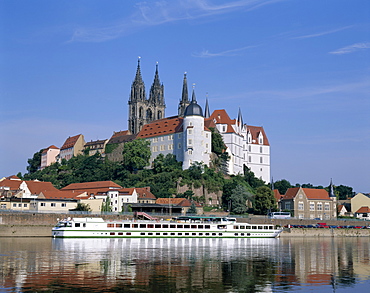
[(179, 234), (180, 226), (200, 234), (126, 225), (165, 226), (84, 224), (128, 233), (265, 227), (236, 234), (260, 227), (188, 226), (135, 225), (150, 233), (207, 234), (142, 225), (193, 233), (77, 224), (192, 226), (118, 225), (200, 226), (241, 234), (254, 227), (158, 225), (242, 227), (270, 227), (165, 233), (186, 234), (172, 226), (157, 233), (236, 227), (172, 233), (142, 233), (112, 233), (207, 227), (248, 234), (150, 226), (110, 225), (120, 233)]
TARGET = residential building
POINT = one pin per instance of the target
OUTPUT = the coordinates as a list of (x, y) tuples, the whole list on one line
[(182, 203), (115, 145), (360, 200), (363, 213), (72, 147), (49, 156), (96, 146), (306, 203)]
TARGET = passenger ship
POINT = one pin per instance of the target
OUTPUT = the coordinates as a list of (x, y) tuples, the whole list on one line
[(180, 227)]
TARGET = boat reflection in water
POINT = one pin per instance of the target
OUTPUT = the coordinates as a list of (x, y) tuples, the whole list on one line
[(184, 264)]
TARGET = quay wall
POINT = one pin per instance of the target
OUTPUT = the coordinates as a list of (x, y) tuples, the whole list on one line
[(40, 224)]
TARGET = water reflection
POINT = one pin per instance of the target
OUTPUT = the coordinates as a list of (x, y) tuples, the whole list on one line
[(182, 265)]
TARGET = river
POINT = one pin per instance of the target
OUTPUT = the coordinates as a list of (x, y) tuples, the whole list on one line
[(185, 265)]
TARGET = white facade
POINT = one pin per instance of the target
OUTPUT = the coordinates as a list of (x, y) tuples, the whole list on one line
[(118, 198)]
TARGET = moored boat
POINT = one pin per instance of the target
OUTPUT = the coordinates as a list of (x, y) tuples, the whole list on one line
[(180, 227)]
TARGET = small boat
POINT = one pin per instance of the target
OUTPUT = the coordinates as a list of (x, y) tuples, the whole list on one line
[(179, 227)]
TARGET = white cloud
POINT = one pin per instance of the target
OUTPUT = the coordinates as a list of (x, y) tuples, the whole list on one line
[(160, 12), (233, 52), (320, 34), (352, 48)]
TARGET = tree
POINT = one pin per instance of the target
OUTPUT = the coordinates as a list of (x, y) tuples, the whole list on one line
[(82, 207), (344, 192), (251, 179), (166, 163), (192, 209), (136, 154), (282, 185), (106, 207), (264, 200), (34, 164), (238, 199)]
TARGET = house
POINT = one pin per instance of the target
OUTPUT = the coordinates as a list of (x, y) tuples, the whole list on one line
[(72, 147), (96, 146), (363, 213), (342, 211), (360, 200), (306, 203), (114, 146), (49, 156), (182, 203)]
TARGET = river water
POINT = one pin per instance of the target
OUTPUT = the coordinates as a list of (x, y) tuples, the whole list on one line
[(185, 265)]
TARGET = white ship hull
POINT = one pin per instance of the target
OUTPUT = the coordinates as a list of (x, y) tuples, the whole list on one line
[(98, 228)]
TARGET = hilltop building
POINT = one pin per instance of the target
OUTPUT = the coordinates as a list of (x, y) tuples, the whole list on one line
[(49, 156), (72, 147), (188, 135)]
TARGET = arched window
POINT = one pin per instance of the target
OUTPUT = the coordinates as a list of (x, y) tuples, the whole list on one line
[(149, 115), (159, 115), (141, 114)]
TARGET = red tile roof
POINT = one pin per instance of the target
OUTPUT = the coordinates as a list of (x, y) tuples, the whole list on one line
[(277, 195), (122, 136), (144, 193), (70, 142), (182, 202), (92, 185), (363, 210), (255, 131), (309, 192), (161, 127), (50, 147)]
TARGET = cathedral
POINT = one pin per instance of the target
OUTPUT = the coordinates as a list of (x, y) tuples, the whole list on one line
[(188, 135)]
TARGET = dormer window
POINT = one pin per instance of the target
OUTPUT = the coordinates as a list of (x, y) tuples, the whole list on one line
[(223, 128)]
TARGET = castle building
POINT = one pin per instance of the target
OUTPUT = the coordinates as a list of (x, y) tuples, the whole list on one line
[(188, 137), (142, 110)]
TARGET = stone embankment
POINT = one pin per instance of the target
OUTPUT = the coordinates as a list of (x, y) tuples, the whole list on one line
[(40, 225)]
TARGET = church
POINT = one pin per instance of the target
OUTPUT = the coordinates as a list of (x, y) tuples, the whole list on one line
[(188, 135)]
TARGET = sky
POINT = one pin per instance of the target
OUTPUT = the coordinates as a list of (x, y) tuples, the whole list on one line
[(299, 68)]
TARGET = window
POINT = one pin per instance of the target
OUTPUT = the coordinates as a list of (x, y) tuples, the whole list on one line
[(319, 206), (312, 206), (301, 206), (63, 205), (261, 160), (170, 137), (53, 204), (14, 205), (261, 150), (179, 146), (190, 131), (327, 207), (190, 142), (42, 204)]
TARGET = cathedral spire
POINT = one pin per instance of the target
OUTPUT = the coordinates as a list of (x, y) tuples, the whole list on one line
[(240, 118), (207, 114), (156, 95), (138, 77), (184, 102)]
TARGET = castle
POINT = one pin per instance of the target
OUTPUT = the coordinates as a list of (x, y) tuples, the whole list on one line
[(188, 135)]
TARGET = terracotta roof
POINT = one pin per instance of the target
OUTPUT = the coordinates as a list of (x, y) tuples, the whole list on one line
[(161, 127), (70, 142), (144, 192), (11, 183), (13, 177), (36, 187), (90, 143), (363, 210), (277, 195), (92, 185), (255, 131), (122, 136), (309, 192), (182, 202), (50, 147), (220, 117)]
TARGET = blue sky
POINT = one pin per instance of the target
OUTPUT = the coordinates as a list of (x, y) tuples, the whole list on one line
[(300, 69)]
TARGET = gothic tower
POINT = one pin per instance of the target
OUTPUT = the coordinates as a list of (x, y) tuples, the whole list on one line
[(141, 109), (184, 102)]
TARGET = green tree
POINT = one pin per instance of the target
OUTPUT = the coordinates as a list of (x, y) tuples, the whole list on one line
[(192, 209), (166, 163), (34, 164), (344, 192), (106, 207), (238, 199), (282, 185), (82, 207), (264, 200), (251, 179), (136, 154)]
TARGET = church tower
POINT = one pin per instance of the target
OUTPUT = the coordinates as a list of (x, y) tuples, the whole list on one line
[(184, 102), (143, 110)]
